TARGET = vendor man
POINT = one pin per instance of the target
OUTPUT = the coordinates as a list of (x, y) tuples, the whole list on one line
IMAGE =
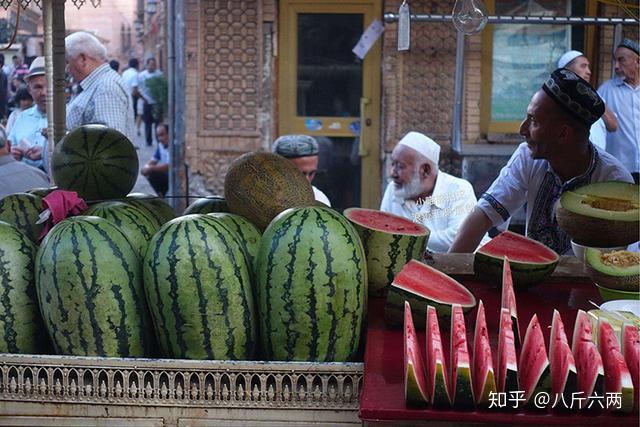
[(423, 194), (556, 157)]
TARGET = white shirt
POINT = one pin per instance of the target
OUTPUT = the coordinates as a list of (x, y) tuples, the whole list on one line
[(320, 196), (598, 134), (442, 213), (533, 181), (130, 77), (143, 76)]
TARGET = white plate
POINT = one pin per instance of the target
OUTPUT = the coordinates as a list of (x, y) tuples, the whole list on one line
[(622, 305)]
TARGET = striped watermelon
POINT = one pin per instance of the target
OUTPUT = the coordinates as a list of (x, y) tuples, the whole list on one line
[(198, 286), (162, 210), (97, 162), (23, 211), (20, 321), (249, 233), (90, 290), (206, 205), (138, 226), (41, 192), (390, 241), (312, 285)]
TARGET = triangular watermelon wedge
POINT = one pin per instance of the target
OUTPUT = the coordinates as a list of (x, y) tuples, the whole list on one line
[(587, 358), (509, 300), (436, 367), (484, 381), (507, 374), (631, 353), (617, 378), (415, 384), (564, 376), (534, 364), (461, 384)]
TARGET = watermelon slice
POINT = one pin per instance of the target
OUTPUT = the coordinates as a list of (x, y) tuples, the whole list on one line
[(422, 286), (564, 376), (415, 383), (589, 366), (615, 318), (531, 261), (461, 384), (631, 353), (509, 300), (534, 363), (484, 381), (437, 370), (507, 374), (617, 378)]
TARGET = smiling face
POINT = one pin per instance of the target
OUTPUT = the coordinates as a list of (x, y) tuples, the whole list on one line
[(541, 126)]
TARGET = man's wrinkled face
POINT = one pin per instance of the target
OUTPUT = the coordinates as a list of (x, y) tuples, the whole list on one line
[(626, 63), (405, 173), (76, 67), (308, 165), (37, 86)]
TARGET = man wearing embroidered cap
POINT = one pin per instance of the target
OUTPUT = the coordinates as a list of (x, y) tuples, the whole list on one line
[(556, 157), (422, 193), (622, 94), (303, 151)]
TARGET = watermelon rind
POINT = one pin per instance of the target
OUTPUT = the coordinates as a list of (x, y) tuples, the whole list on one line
[(483, 374), (589, 368), (416, 283), (205, 205), (617, 377), (536, 378), (387, 252), (507, 368), (461, 382), (248, 233), (416, 391), (615, 318), (631, 351), (564, 376), (437, 371), (489, 267), (162, 210), (509, 300), (22, 210)]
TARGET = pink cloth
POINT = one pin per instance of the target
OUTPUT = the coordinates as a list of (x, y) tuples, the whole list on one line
[(62, 205)]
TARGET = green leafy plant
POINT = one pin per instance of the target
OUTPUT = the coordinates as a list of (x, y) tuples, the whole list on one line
[(159, 90)]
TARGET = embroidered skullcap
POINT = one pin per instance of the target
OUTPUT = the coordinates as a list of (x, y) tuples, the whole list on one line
[(36, 68), (574, 95), (293, 146), (568, 57), (629, 44), (423, 145)]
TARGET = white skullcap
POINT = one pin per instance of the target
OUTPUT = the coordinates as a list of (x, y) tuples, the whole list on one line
[(568, 57), (423, 145)]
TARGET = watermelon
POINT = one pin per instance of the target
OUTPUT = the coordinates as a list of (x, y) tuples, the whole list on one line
[(437, 378), (198, 285), (617, 377), (631, 352), (138, 226), (97, 162), (507, 374), (534, 364), (90, 290), (422, 286), (390, 241), (162, 210), (312, 285), (205, 205), (531, 261), (416, 390), (20, 321), (461, 383), (564, 376), (588, 361), (509, 300), (23, 211), (41, 192), (249, 233), (484, 381)]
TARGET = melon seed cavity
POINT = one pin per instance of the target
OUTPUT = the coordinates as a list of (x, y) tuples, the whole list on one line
[(609, 203), (621, 259)]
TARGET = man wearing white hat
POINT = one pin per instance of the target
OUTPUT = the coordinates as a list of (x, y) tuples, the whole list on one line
[(422, 193)]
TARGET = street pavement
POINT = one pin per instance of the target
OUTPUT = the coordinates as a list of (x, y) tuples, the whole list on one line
[(144, 154)]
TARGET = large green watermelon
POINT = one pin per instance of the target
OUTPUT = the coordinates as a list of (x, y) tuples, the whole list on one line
[(23, 210), (20, 321), (198, 286), (206, 205), (311, 276), (156, 206), (90, 290), (97, 162), (249, 233)]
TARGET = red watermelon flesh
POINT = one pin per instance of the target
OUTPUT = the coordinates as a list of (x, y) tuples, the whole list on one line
[(484, 382), (534, 363), (617, 378), (581, 330), (587, 358), (631, 353), (507, 374), (461, 384), (415, 385), (519, 249), (437, 369), (386, 222), (563, 368), (509, 300)]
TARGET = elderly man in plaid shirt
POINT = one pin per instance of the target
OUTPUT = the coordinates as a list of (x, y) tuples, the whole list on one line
[(103, 96)]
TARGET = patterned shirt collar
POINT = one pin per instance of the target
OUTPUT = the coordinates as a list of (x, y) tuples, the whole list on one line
[(580, 180), (94, 76)]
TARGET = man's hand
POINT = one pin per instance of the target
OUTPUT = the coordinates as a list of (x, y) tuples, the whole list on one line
[(17, 153), (146, 170), (34, 153), (471, 231)]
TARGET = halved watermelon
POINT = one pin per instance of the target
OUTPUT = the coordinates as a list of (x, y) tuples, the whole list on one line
[(617, 378), (631, 353), (437, 369), (389, 241), (564, 376), (588, 361), (484, 382), (509, 300), (461, 383), (531, 261), (415, 385), (534, 363), (422, 286), (507, 374)]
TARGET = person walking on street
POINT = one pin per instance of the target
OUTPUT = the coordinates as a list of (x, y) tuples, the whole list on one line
[(149, 117)]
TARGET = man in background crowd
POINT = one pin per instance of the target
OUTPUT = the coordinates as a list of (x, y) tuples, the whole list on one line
[(17, 177), (149, 116), (157, 169)]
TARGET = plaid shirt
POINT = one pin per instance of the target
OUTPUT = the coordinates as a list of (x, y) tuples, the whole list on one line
[(105, 100)]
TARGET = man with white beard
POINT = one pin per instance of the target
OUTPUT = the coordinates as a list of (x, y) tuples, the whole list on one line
[(423, 194)]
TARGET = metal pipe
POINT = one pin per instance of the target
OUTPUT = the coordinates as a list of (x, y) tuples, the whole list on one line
[(505, 19), (457, 105)]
